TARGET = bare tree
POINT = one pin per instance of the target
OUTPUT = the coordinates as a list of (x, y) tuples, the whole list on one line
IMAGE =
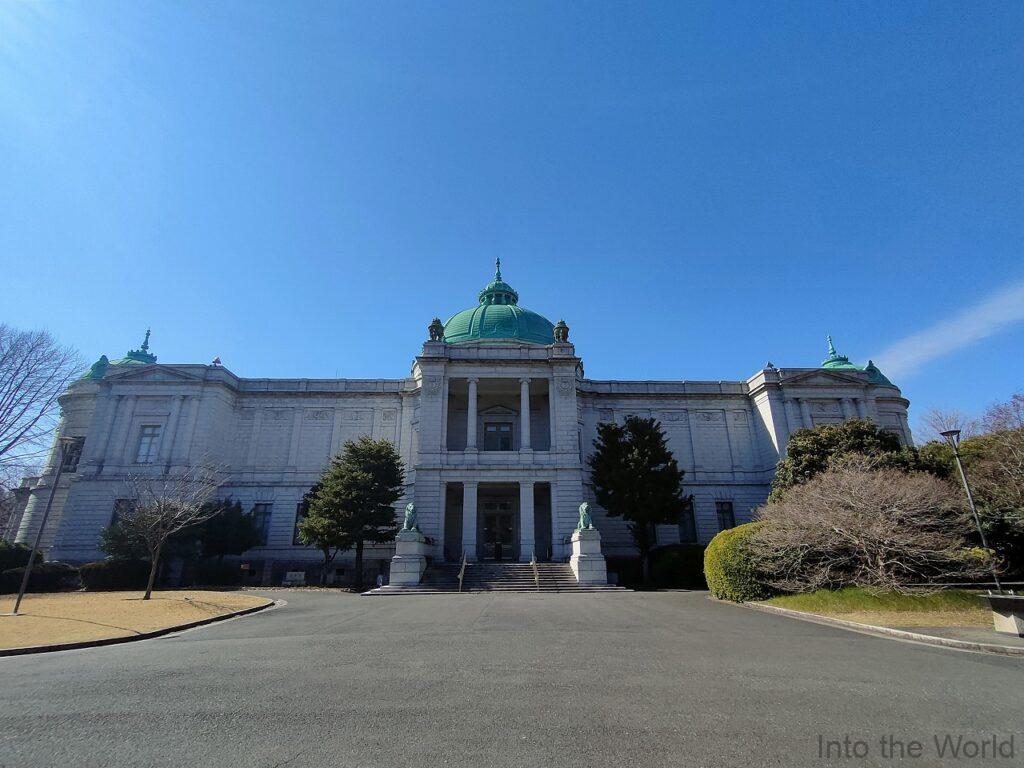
[(936, 421), (162, 505), (34, 371), (858, 526), (997, 468)]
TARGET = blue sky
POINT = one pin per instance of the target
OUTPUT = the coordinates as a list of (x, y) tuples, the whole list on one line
[(696, 188)]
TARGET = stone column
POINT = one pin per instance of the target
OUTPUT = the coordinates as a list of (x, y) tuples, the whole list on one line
[(848, 412), (167, 447), (469, 519), (471, 431), (862, 411), (524, 415), (126, 429), (185, 449), (526, 538), (805, 414), (551, 413), (293, 447)]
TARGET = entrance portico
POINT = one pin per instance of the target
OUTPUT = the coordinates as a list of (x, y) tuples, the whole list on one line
[(502, 521)]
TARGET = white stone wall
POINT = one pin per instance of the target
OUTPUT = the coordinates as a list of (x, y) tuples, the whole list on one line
[(274, 437)]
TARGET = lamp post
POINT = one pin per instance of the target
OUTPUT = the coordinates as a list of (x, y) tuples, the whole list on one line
[(952, 436), (63, 442)]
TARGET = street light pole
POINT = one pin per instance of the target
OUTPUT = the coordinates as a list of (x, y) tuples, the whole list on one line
[(952, 437), (63, 442)]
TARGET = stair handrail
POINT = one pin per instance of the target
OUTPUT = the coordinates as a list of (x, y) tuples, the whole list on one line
[(462, 571), (536, 571)]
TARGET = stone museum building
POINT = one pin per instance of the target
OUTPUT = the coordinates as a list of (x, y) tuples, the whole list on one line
[(494, 422)]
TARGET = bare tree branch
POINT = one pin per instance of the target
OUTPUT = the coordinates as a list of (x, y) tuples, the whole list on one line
[(34, 371), (163, 504)]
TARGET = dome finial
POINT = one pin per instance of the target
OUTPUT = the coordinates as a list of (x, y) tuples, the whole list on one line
[(145, 342), (831, 347), (497, 268)]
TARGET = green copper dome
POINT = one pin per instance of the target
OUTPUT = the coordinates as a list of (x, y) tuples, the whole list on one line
[(498, 316), (140, 356), (835, 360)]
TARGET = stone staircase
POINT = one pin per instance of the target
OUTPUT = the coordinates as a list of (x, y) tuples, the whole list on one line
[(443, 578)]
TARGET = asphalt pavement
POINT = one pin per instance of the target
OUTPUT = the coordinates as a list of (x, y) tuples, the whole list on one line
[(631, 679)]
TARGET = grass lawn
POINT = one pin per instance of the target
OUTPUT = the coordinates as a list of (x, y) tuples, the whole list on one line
[(949, 608), (71, 617)]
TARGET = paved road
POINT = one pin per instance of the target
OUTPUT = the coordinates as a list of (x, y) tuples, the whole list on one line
[(498, 680)]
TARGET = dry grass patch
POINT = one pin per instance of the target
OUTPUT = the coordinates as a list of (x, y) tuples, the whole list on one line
[(948, 608), (48, 619)]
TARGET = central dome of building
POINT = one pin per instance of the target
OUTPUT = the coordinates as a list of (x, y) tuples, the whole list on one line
[(498, 317)]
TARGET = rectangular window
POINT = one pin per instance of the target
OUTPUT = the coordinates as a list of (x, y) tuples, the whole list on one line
[(687, 524), (300, 514), (149, 442), (261, 520), (121, 506), (498, 436), (72, 453), (726, 518)]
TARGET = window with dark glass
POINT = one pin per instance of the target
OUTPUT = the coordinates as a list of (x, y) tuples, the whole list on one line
[(72, 453), (149, 441), (498, 436), (726, 518), (121, 507), (687, 524), (261, 521)]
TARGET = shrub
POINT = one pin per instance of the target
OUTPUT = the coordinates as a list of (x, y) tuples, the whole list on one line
[(679, 565), (729, 568), (115, 574), (857, 526), (14, 555), (46, 577)]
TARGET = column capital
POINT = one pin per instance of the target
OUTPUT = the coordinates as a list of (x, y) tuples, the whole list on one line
[(473, 379), (470, 484), (524, 379)]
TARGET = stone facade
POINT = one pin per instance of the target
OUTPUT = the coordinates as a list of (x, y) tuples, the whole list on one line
[(494, 433)]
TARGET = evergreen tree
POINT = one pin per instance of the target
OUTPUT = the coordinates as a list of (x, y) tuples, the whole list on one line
[(353, 502), (636, 478), (229, 532), (809, 452)]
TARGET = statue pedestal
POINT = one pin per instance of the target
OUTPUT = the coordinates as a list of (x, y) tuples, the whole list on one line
[(409, 562), (587, 562)]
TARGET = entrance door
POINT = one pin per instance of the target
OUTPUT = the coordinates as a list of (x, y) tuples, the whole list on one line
[(498, 541)]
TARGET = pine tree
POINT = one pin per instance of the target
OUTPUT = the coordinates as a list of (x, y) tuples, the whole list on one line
[(636, 478), (353, 502)]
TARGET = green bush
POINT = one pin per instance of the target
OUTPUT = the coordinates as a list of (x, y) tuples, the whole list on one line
[(728, 569), (115, 574), (46, 577), (679, 565), (14, 555)]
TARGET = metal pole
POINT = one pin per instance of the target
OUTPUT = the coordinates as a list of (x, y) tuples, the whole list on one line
[(974, 510), (39, 533)]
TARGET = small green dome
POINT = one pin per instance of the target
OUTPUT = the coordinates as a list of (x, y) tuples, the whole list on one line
[(498, 316), (140, 356), (835, 360)]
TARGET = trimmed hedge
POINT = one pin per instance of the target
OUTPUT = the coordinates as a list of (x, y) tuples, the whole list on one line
[(115, 574), (680, 566), (727, 567), (14, 555), (46, 577)]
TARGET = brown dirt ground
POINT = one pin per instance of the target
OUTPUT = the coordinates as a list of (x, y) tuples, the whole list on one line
[(70, 617)]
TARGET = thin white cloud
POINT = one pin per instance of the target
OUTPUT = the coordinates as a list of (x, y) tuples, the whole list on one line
[(999, 310)]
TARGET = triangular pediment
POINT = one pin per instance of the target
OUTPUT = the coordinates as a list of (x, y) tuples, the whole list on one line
[(154, 372), (498, 410), (822, 378)]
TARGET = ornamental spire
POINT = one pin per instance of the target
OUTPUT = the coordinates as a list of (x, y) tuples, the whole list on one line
[(831, 347), (145, 341), (497, 269)]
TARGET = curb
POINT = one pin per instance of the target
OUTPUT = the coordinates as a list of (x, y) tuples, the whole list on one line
[(132, 638), (896, 634)]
